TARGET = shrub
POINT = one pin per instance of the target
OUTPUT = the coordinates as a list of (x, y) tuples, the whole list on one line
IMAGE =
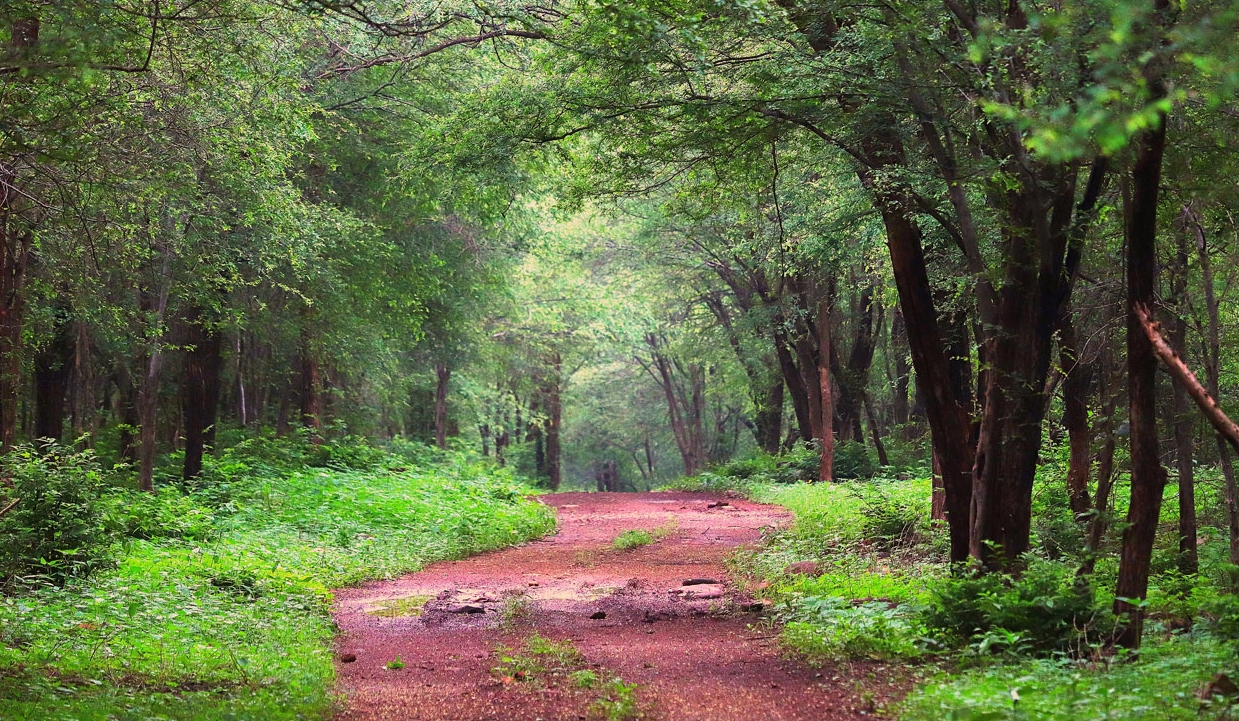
[(57, 530), (852, 461), (833, 627), (890, 519), (167, 513), (1043, 610)]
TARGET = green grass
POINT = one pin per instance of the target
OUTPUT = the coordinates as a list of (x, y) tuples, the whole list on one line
[(233, 623), (637, 538), (1162, 686), (632, 539), (540, 663), (880, 588)]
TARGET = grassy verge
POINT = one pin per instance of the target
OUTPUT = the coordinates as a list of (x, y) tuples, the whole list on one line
[(862, 574), (217, 606)]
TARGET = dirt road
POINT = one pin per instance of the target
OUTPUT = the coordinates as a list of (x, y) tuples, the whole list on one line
[(691, 650)]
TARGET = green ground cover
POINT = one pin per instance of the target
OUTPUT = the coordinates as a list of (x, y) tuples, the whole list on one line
[(215, 604), (1029, 647)]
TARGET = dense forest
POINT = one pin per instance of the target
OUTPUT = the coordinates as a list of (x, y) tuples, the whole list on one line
[(607, 245)]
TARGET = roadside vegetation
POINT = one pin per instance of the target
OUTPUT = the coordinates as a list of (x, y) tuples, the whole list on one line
[(863, 573), (211, 600)]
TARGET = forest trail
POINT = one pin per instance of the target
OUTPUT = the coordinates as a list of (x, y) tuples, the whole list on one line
[(692, 653)]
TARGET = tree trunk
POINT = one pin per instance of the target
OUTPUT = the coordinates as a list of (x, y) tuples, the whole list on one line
[(948, 421), (554, 412), (1148, 478), (1183, 426), (443, 375), (310, 385), (826, 467), (1105, 471), (204, 366), (875, 432), (1075, 417), (853, 378), (793, 380), (1213, 359), (899, 350), (148, 392), (52, 368)]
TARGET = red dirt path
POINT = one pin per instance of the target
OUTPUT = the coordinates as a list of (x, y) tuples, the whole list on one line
[(692, 659)]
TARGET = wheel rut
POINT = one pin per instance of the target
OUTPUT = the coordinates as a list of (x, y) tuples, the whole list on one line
[(691, 650)]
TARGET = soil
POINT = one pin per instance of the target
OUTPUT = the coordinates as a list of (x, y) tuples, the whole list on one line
[(695, 652)]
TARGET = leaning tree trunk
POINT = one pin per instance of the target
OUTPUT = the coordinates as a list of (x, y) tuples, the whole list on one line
[(1148, 478)]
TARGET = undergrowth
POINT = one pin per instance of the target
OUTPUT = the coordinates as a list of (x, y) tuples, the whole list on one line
[(863, 574), (213, 601)]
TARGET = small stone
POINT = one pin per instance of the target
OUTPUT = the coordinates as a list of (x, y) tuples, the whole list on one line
[(717, 504), (701, 592), (754, 606), (803, 568), (348, 657), (598, 615), (698, 581), (466, 608)]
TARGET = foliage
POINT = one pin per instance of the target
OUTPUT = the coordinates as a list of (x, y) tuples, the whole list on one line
[(1162, 685), (1044, 609), (57, 530), (632, 539), (235, 621), (832, 627)]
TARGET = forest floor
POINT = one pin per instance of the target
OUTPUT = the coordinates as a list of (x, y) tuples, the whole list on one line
[(572, 627)]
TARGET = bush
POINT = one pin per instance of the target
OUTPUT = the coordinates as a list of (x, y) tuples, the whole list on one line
[(57, 530), (890, 519), (852, 461), (833, 627), (1046, 609), (167, 513)]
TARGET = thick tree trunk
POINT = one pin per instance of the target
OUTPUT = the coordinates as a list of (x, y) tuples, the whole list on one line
[(52, 368), (1148, 478), (948, 421), (204, 367), (793, 380), (443, 376)]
